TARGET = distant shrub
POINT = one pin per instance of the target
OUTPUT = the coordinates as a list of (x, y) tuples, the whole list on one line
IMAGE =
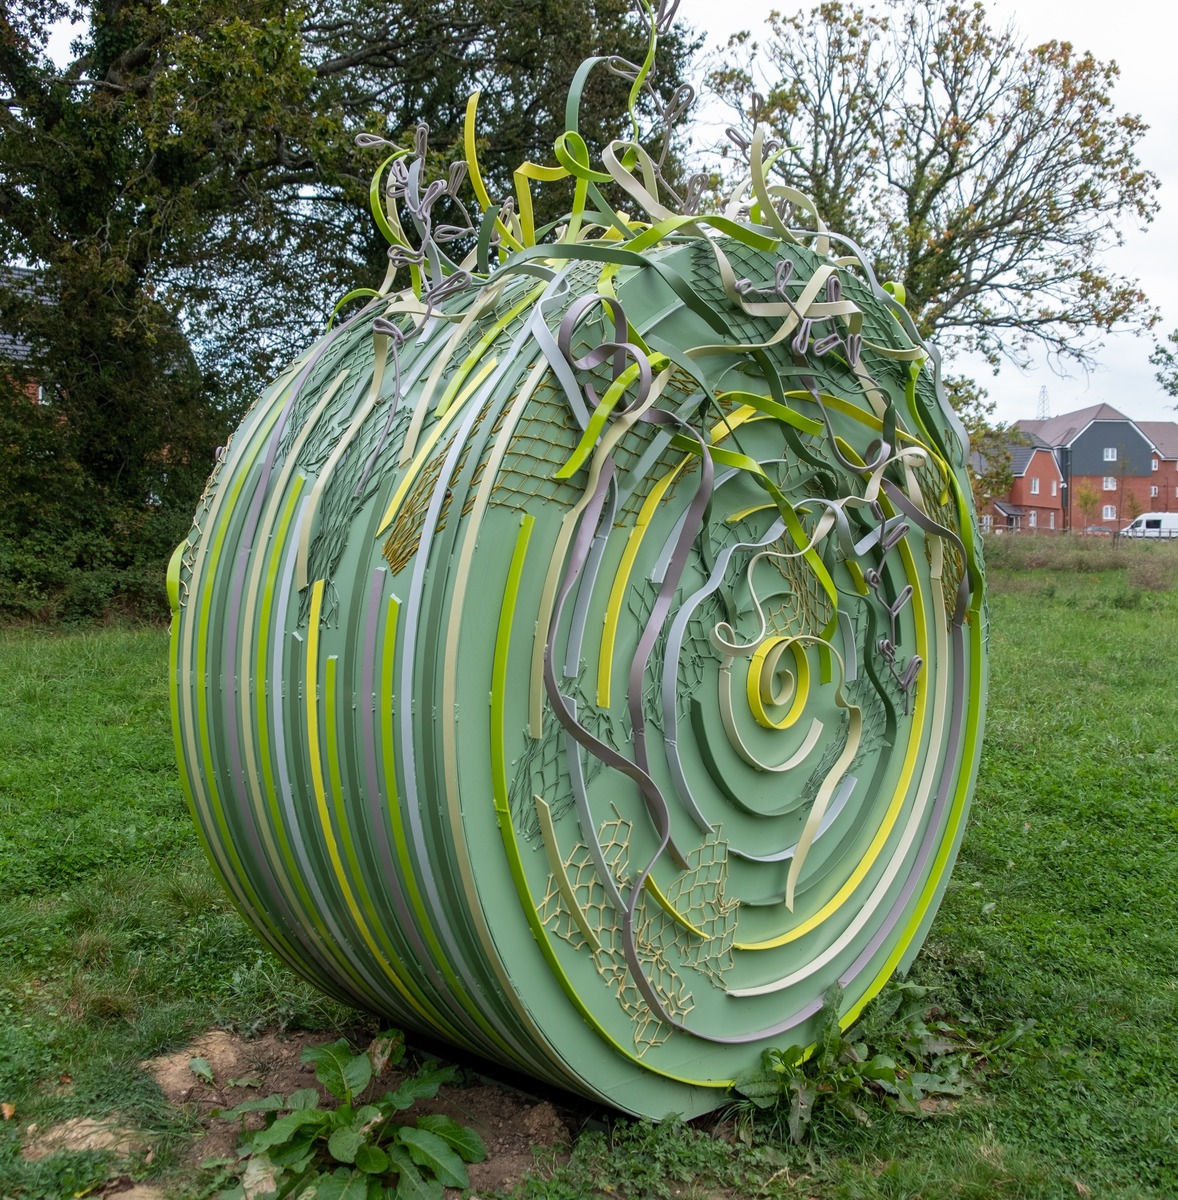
[(1152, 569), (1146, 566)]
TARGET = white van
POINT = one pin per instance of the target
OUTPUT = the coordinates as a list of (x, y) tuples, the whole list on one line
[(1153, 525)]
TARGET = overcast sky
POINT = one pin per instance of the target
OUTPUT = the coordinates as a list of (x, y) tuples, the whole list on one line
[(1139, 35)]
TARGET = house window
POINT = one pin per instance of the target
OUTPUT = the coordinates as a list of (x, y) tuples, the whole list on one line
[(1110, 512), (1034, 518), (1153, 491), (987, 523), (1153, 462), (1051, 520), (1110, 454), (1110, 483), (1034, 486), (1055, 487)]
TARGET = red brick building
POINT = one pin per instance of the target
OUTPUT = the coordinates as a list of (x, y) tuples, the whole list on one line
[(1036, 497), (1164, 436), (1103, 456)]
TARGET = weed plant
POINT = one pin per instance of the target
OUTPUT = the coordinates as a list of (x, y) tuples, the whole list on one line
[(356, 1149)]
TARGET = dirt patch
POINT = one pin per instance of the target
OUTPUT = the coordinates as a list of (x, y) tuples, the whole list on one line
[(125, 1188), (510, 1123), (83, 1133), (240, 1069)]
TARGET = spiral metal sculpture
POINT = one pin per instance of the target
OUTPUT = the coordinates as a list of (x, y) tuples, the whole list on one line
[(579, 653)]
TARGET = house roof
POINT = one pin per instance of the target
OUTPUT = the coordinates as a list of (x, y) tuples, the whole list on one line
[(1020, 458), (1163, 434), (20, 280), (1020, 453), (1008, 510), (1064, 429)]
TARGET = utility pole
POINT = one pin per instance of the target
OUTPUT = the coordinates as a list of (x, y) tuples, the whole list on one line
[(1044, 412)]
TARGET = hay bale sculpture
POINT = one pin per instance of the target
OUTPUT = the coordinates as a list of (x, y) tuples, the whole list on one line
[(579, 653)]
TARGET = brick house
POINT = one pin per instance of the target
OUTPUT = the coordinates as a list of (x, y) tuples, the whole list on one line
[(1164, 489), (1035, 500), (1103, 451)]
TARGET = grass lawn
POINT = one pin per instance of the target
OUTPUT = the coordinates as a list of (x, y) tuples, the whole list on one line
[(116, 944)]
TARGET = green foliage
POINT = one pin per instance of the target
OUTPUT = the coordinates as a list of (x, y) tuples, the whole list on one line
[(1034, 562), (116, 943), (989, 440), (357, 1153), (901, 1053), (1087, 502), (1165, 358), (988, 176), (1072, 820), (643, 1161)]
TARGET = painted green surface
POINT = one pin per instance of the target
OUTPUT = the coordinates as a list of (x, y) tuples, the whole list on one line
[(581, 659)]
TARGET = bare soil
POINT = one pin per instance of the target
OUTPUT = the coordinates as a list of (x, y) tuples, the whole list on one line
[(510, 1122)]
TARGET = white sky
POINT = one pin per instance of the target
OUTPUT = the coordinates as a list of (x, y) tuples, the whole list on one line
[(1140, 36)]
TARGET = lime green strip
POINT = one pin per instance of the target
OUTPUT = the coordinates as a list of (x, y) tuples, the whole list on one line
[(470, 148), (781, 412), (667, 907), (472, 387), (400, 838), (613, 395), (609, 629), (317, 782), (172, 580)]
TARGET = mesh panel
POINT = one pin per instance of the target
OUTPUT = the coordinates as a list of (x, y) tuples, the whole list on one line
[(541, 771), (805, 608), (544, 440), (698, 896), (938, 503)]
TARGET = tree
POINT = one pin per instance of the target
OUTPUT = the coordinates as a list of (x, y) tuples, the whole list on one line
[(1087, 502), (1166, 360), (205, 148), (989, 463), (189, 191), (987, 176)]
